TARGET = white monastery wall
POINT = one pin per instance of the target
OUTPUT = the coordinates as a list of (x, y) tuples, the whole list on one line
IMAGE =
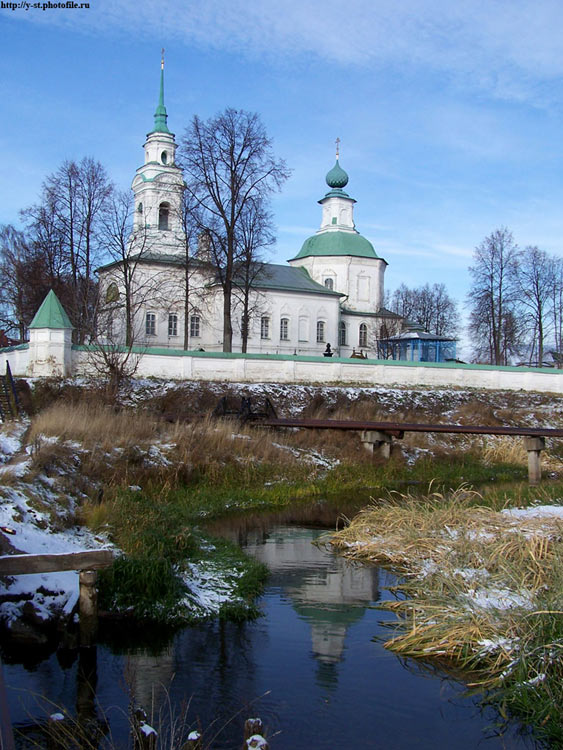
[(287, 369)]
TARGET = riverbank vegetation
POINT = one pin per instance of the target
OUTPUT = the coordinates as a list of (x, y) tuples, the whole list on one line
[(481, 590), (151, 485), (150, 473)]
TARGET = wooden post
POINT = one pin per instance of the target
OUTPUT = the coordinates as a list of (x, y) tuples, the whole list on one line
[(377, 441), (534, 446), (253, 735), (6, 734), (58, 731), (194, 741), (88, 607), (86, 683), (145, 736)]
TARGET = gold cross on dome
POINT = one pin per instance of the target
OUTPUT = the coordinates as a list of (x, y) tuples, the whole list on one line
[(337, 147)]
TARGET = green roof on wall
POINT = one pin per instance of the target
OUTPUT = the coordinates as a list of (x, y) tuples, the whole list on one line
[(51, 314)]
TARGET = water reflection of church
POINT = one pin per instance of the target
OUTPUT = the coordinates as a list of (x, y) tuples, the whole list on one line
[(326, 591)]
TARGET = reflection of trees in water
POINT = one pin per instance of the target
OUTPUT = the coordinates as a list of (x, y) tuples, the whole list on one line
[(322, 514), (209, 666)]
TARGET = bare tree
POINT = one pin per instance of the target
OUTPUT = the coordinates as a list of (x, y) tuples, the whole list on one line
[(254, 235), (557, 310), (24, 281), (125, 249), (428, 306), (135, 274), (63, 227), (385, 346), (494, 325), (228, 163), (195, 257), (535, 280)]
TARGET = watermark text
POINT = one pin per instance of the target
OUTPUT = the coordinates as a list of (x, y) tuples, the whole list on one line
[(24, 5)]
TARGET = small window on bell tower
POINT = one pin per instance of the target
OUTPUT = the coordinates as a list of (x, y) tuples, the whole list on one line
[(140, 208), (164, 157), (163, 214)]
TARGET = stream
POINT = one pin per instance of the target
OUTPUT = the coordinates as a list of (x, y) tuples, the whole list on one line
[(313, 667)]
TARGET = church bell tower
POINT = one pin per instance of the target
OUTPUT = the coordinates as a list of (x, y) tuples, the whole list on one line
[(158, 187)]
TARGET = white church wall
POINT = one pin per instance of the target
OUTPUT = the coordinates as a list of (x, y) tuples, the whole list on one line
[(302, 311), (360, 279)]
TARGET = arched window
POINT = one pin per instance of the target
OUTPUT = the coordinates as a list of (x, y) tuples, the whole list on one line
[(172, 324), (363, 337), (195, 324), (342, 334), (284, 329), (140, 208), (112, 293), (320, 331), (164, 157), (329, 283), (264, 327), (163, 214)]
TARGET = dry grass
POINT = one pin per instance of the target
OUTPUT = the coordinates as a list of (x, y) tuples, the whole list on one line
[(220, 440), (471, 573), (94, 424), (124, 447), (496, 449)]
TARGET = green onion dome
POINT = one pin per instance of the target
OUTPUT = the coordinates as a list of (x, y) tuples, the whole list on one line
[(337, 177)]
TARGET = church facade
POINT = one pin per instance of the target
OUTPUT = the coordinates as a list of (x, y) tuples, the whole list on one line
[(330, 292)]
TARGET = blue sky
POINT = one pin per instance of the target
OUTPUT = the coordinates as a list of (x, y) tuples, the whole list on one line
[(450, 115)]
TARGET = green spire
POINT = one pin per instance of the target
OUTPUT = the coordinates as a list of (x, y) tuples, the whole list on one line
[(51, 314), (160, 116)]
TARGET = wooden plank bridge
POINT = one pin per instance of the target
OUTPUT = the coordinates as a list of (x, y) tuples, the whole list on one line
[(377, 437)]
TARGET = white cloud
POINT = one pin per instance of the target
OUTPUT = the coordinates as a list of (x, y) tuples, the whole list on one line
[(507, 47)]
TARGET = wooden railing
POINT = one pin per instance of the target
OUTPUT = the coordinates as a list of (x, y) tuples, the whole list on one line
[(377, 437)]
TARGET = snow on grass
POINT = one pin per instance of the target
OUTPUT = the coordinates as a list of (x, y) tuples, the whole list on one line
[(26, 524), (311, 456), (491, 598), (537, 511), (491, 645), (31, 533), (210, 586)]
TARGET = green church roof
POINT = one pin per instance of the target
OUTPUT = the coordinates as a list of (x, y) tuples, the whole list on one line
[(337, 243), (286, 278), (51, 314)]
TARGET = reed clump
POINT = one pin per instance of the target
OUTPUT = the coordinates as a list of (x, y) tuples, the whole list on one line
[(480, 590)]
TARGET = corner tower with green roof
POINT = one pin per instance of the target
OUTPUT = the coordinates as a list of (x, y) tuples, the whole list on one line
[(50, 340), (338, 256), (158, 186)]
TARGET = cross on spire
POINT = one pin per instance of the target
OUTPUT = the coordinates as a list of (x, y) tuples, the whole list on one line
[(337, 147), (162, 59)]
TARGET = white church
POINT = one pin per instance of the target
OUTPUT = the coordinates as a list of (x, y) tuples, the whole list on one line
[(330, 292)]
